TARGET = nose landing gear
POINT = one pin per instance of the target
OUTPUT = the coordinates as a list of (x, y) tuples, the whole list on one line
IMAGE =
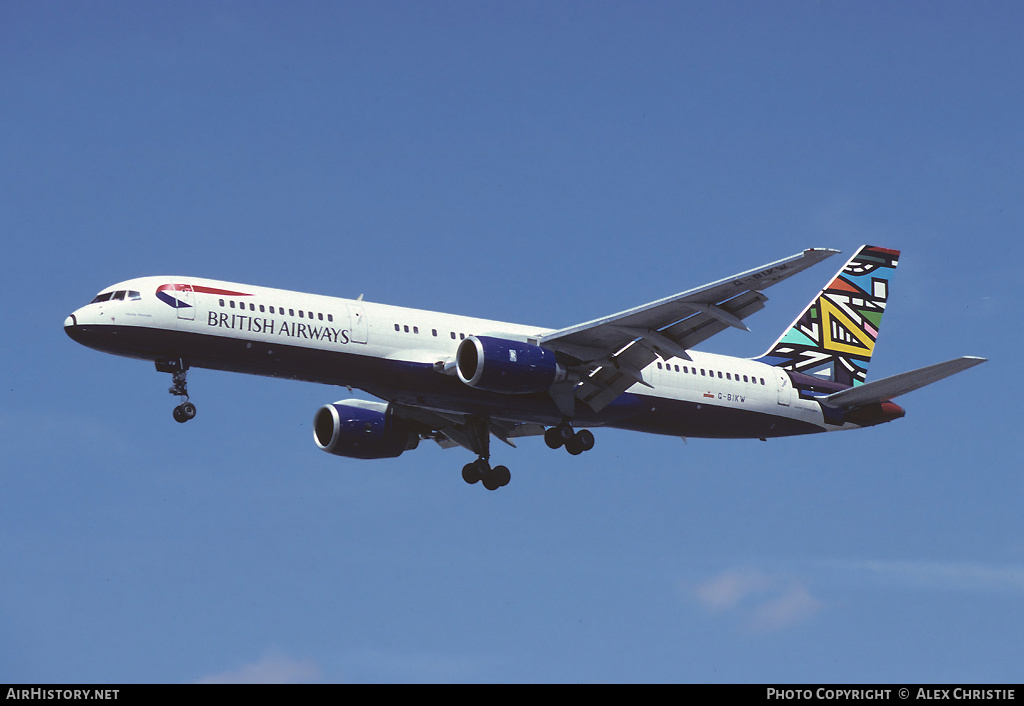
[(179, 387)]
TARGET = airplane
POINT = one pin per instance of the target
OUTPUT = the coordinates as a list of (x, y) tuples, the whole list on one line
[(460, 380)]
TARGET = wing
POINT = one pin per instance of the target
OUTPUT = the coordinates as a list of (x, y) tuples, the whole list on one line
[(610, 352)]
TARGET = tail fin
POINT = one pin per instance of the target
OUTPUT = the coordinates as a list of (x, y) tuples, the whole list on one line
[(835, 335)]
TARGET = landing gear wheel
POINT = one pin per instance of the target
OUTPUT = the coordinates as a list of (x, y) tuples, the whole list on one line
[(553, 438), (585, 438), (184, 412), (481, 471), (470, 473), (497, 477), (500, 475), (575, 442), (574, 446)]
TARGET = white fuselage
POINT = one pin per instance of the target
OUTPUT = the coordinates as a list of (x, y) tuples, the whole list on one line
[(404, 355)]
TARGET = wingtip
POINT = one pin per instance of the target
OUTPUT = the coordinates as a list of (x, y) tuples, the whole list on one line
[(821, 252)]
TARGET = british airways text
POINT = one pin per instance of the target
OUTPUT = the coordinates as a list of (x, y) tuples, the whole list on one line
[(258, 324)]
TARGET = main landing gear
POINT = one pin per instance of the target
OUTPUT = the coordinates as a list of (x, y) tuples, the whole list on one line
[(480, 471), (179, 387), (575, 442)]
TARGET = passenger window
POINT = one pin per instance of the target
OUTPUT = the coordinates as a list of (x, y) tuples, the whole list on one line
[(310, 314), (415, 329), (745, 378), (232, 302), (702, 372), (320, 316), (728, 376), (330, 317), (291, 312), (271, 309), (719, 374), (397, 328), (252, 307), (434, 332), (453, 335), (262, 310), (659, 366), (222, 302), (300, 313)]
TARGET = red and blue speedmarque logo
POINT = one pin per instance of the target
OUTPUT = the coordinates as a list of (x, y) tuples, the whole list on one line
[(168, 294)]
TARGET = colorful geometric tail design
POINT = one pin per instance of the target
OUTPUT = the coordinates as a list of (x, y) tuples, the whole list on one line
[(835, 335)]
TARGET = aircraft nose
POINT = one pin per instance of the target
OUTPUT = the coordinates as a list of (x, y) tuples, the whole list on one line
[(72, 329)]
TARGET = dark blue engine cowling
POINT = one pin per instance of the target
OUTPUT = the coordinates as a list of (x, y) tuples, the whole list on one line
[(511, 367), (360, 429)]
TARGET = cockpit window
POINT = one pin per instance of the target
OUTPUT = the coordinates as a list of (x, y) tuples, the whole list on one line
[(119, 295)]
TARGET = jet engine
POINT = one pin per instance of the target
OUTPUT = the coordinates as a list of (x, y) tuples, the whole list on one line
[(361, 429), (510, 367)]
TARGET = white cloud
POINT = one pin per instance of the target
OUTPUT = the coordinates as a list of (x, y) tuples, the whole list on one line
[(795, 605), (272, 669), (764, 603), (727, 590)]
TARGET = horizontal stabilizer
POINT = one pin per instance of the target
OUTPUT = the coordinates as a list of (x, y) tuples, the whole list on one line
[(887, 388)]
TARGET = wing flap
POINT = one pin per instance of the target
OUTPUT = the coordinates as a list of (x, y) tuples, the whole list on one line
[(615, 375)]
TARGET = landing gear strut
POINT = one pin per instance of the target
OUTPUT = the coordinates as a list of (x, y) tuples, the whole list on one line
[(179, 387), (575, 442)]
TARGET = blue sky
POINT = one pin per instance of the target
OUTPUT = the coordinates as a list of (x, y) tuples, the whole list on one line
[(543, 163)]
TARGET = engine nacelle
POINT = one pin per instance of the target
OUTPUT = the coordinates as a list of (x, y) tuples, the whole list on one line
[(511, 367), (361, 429)]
